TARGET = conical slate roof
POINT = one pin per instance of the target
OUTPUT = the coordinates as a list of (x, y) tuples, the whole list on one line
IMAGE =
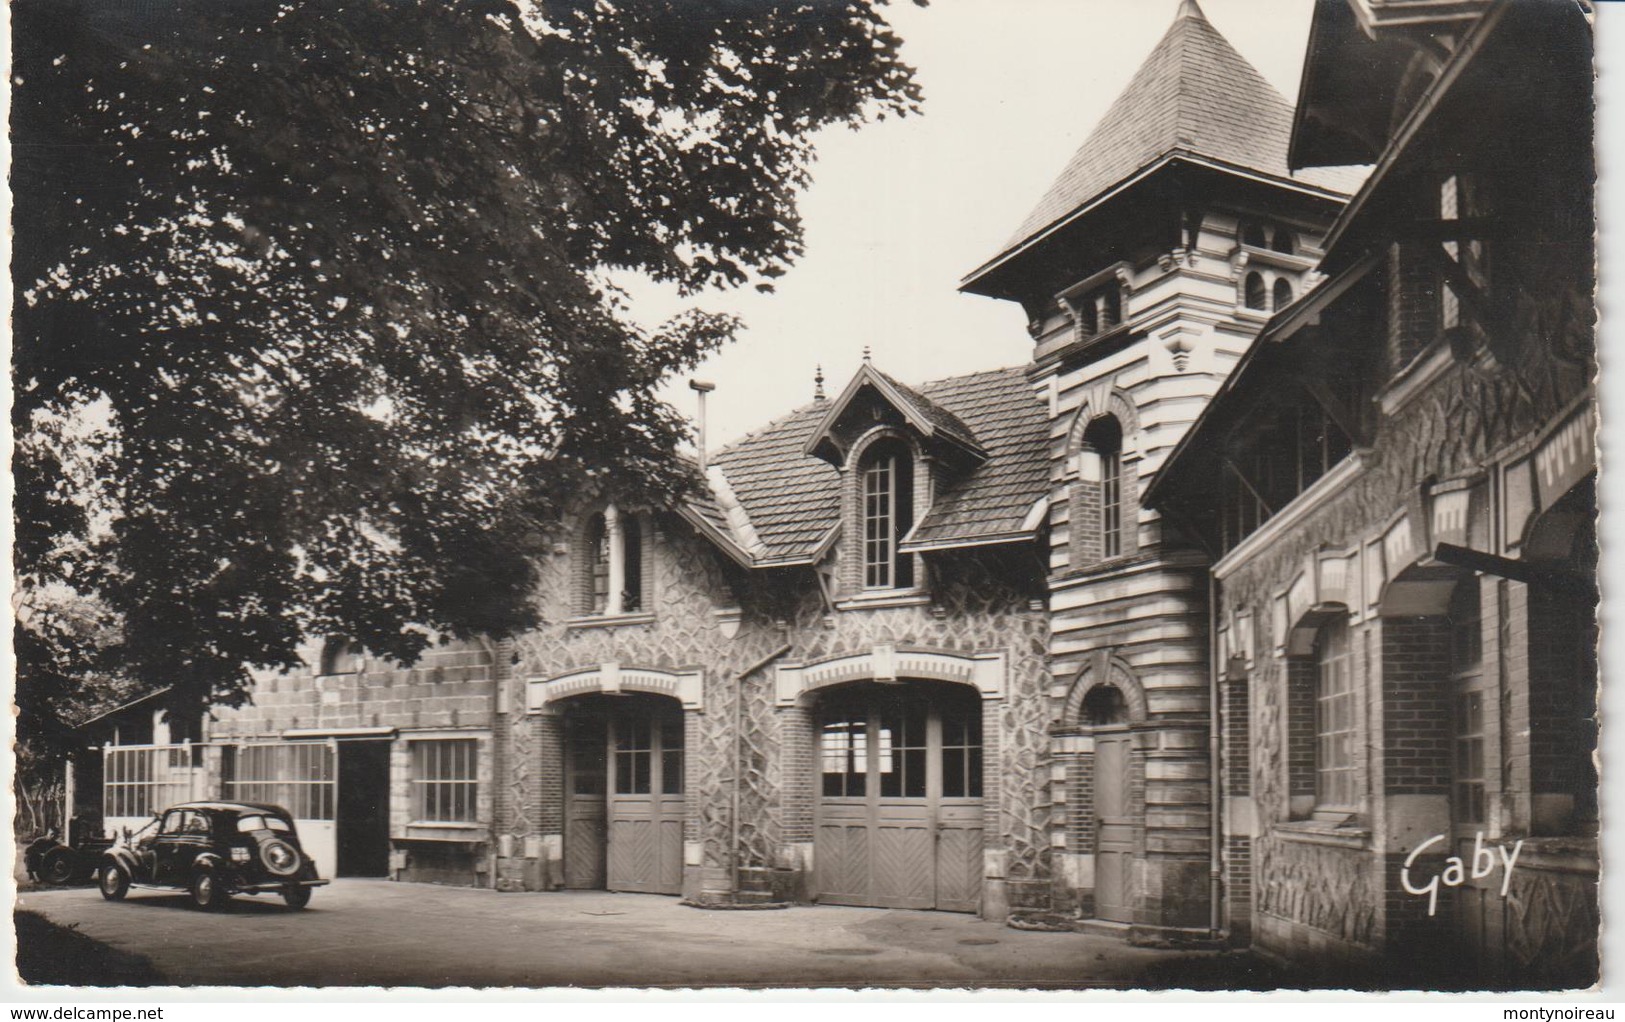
[(1195, 94)]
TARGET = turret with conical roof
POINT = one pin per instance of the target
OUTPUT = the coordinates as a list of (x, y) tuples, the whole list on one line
[(1146, 270), (1194, 113)]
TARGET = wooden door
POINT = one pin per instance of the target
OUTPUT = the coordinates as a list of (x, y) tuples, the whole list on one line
[(585, 789), (645, 809), (899, 821), (1114, 845)]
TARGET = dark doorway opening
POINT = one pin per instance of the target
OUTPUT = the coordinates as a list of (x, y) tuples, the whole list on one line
[(363, 809)]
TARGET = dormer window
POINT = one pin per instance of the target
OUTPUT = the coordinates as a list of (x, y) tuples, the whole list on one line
[(1284, 242), (887, 474), (1253, 235), (610, 559)]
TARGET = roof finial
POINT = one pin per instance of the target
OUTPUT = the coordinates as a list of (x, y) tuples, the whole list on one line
[(866, 353), (1189, 9), (818, 383)]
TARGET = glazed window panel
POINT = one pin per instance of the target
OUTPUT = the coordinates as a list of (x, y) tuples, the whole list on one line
[(634, 754), (445, 780), (671, 756), (962, 751), (598, 552), (299, 777), (902, 747), (887, 509), (877, 523), (1469, 758), (844, 753), (1335, 720)]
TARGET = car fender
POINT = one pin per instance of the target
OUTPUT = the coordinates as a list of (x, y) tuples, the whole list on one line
[(212, 861), (122, 856)]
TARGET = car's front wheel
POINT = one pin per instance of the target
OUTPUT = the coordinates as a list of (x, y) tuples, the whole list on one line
[(114, 882), (296, 897), (207, 894)]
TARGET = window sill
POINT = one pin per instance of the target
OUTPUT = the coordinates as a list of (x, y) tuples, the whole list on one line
[(461, 833), (610, 621), (1324, 832), (885, 598), (1428, 365)]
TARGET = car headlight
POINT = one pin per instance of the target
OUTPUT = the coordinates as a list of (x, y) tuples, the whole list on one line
[(240, 854)]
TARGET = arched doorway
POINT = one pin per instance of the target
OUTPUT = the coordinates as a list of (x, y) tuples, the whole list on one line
[(898, 821), (1105, 710), (623, 793)]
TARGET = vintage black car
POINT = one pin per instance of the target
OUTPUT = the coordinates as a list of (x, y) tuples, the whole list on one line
[(213, 850)]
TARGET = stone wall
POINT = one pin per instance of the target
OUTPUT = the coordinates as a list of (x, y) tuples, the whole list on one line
[(977, 603)]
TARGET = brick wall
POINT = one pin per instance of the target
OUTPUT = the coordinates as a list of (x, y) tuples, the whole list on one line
[(1302, 675), (1416, 712), (1413, 303)]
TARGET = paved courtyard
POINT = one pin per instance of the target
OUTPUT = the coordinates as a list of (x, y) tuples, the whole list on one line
[(378, 933)]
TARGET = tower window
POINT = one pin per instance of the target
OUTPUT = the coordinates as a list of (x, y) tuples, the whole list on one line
[(1104, 439), (1283, 293), (1255, 295)]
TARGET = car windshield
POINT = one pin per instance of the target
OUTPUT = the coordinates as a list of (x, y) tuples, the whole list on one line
[(252, 823)]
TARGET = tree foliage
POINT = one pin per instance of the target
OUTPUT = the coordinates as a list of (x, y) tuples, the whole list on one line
[(312, 330)]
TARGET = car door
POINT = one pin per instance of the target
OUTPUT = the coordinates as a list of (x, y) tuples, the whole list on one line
[(184, 835)]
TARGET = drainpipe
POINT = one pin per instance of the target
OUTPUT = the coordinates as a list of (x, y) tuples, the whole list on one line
[(1216, 800), (739, 756)]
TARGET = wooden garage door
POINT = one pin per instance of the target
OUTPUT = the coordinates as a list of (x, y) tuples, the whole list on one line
[(646, 798), (623, 795), (900, 811)]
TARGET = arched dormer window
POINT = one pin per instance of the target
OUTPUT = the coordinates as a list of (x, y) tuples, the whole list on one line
[(1254, 293), (610, 556), (1283, 293), (1103, 440), (1253, 234), (1285, 242), (886, 478)]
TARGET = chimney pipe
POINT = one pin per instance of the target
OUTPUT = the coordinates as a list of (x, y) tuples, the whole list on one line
[(702, 387)]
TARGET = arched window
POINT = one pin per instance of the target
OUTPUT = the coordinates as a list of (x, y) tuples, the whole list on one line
[(1283, 293), (340, 656), (1335, 718), (887, 480), (1284, 241), (1253, 234), (1254, 291), (1104, 440)]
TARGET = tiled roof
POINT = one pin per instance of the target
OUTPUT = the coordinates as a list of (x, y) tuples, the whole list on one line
[(938, 415), (791, 499), (1193, 94)]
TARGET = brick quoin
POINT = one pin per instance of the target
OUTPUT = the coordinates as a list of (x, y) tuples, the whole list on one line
[(1302, 673), (798, 775)]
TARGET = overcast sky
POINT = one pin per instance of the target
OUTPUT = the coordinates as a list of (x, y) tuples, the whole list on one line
[(899, 211)]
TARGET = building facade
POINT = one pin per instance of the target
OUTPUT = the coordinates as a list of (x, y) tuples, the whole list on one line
[(1397, 487)]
